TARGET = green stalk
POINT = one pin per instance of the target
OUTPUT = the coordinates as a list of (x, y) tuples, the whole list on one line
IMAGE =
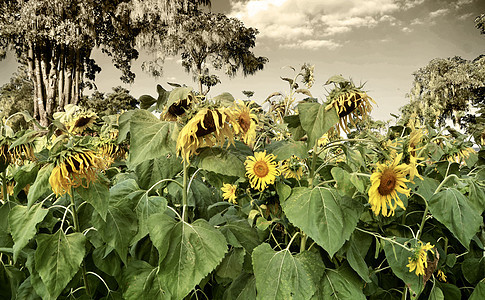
[(303, 241), (77, 228), (184, 191), (314, 164), (4, 185)]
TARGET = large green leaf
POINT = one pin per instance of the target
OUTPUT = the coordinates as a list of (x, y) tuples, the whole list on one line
[(240, 234), (58, 258), (121, 222), (221, 161), (436, 294), (141, 282), (316, 121), (97, 194), (147, 206), (324, 215), (343, 180), (341, 284), (25, 175), (356, 259), (242, 288), (188, 252), (152, 171), (397, 258), (285, 149), (231, 266), (281, 275), (150, 138), (23, 222), (453, 210), (41, 184), (124, 125), (476, 194), (479, 292)]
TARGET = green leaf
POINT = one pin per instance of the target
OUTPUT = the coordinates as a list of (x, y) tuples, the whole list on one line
[(146, 101), (226, 99), (316, 121), (473, 269), (344, 183), (285, 149), (106, 259), (10, 279), (476, 194), (147, 206), (240, 234), (356, 260), (294, 126), (450, 291), (152, 171), (162, 97), (41, 184), (26, 291), (222, 161), (436, 294), (188, 252), (479, 292), (97, 194), (280, 275), (242, 288), (124, 125), (397, 258), (425, 188), (322, 214), (25, 175), (453, 210), (58, 258), (341, 284), (121, 222), (23, 222), (180, 93), (141, 282), (231, 265), (150, 137)]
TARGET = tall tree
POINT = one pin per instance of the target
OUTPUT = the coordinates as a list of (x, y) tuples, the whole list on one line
[(113, 103), (55, 38), (16, 96), (205, 40)]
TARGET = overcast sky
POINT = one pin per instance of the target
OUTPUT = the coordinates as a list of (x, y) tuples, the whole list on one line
[(380, 42)]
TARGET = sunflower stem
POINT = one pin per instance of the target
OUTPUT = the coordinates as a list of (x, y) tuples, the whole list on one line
[(184, 191), (4, 186), (314, 164), (303, 241), (77, 228)]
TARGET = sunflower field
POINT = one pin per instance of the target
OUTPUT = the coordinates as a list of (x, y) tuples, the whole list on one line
[(191, 197)]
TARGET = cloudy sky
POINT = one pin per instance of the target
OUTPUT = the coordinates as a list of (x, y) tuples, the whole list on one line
[(379, 42)]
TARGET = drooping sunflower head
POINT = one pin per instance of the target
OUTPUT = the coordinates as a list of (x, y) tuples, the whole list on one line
[(261, 169), (178, 107), (229, 192), (245, 122), (388, 180), (111, 151), (209, 127), (351, 103), (73, 169), (292, 168), (81, 121), (419, 260)]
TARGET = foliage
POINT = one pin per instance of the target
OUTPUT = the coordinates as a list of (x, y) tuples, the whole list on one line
[(16, 96), (113, 103), (480, 23), (154, 217)]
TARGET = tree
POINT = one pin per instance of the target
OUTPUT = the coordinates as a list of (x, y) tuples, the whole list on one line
[(16, 96), (446, 89), (110, 104), (480, 23), (55, 38), (206, 39)]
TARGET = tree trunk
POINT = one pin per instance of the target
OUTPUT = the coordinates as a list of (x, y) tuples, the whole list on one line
[(39, 86)]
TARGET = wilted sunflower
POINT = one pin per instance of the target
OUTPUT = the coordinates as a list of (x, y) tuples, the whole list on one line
[(178, 108), (415, 139), (441, 276), (419, 260), (209, 127), (261, 170), (111, 152), (245, 122), (73, 170), (229, 192), (81, 120), (292, 168), (351, 103), (387, 181), (17, 154), (459, 155)]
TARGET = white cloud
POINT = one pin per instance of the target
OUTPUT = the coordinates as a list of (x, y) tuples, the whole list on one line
[(439, 13), (311, 21), (312, 45)]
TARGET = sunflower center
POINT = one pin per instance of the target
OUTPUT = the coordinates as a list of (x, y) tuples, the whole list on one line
[(209, 124), (388, 182), (261, 169), (82, 121), (244, 121)]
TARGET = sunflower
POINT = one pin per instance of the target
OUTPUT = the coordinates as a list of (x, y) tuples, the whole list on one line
[(73, 170), (292, 168), (245, 122), (209, 127), (441, 276), (460, 155), (229, 192), (80, 121), (261, 170), (351, 103), (111, 152), (178, 108), (419, 260), (415, 139), (387, 181)]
